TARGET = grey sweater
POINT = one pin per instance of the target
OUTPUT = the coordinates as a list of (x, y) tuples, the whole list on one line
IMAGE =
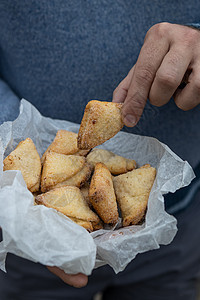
[(61, 54)]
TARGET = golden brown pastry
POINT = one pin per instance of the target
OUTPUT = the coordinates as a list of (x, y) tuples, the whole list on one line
[(102, 195), (132, 191), (86, 224), (97, 225), (69, 201), (58, 168), (65, 142), (115, 163), (89, 226), (101, 121), (79, 179), (85, 192), (26, 159)]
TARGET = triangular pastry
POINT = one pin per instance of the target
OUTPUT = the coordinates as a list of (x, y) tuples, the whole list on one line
[(69, 201), (101, 121), (102, 195), (85, 192), (86, 224), (58, 168), (26, 159), (132, 191), (79, 179), (115, 163), (65, 142)]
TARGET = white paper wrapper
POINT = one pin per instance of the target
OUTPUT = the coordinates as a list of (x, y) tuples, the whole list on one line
[(43, 235)]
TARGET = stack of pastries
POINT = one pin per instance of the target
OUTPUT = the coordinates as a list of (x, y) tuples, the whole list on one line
[(91, 186)]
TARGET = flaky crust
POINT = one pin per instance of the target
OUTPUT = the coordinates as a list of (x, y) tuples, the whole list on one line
[(102, 195), (69, 201), (85, 224), (89, 226), (26, 159), (101, 121), (65, 142), (132, 191), (85, 192), (79, 179), (58, 168), (115, 163)]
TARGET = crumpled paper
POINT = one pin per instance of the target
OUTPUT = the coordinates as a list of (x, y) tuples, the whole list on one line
[(43, 235)]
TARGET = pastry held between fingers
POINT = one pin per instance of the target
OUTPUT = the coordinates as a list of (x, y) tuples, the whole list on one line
[(101, 121)]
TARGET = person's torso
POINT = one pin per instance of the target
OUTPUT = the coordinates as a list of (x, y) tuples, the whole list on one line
[(60, 55)]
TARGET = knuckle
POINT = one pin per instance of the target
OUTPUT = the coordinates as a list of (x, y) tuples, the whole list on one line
[(169, 80), (145, 75), (160, 29), (175, 59), (190, 36)]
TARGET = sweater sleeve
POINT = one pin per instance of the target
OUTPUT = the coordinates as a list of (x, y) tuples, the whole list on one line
[(9, 103), (194, 25)]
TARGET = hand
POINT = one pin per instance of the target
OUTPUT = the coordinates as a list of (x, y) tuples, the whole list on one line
[(170, 55), (78, 280)]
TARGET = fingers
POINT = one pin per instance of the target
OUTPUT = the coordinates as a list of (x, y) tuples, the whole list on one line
[(151, 56), (120, 93), (169, 75), (189, 97), (78, 280), (169, 53)]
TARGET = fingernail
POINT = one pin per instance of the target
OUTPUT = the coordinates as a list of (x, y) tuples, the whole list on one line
[(130, 120)]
